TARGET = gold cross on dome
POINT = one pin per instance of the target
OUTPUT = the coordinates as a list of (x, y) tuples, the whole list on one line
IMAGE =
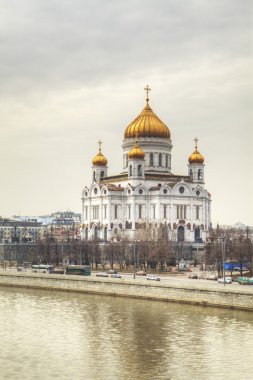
[(99, 144), (147, 89), (196, 142)]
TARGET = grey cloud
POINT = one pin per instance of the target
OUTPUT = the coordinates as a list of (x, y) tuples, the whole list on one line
[(72, 72), (56, 44)]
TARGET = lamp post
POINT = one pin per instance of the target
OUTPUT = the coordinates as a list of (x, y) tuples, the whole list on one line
[(134, 260), (223, 248)]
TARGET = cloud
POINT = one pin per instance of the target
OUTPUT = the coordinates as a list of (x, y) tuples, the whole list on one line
[(57, 45), (74, 72)]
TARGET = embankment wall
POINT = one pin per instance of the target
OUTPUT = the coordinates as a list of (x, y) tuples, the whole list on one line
[(234, 297)]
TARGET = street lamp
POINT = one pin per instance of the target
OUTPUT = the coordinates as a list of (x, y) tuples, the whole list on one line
[(134, 260), (223, 248)]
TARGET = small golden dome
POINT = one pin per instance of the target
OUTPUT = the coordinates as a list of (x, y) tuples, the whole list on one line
[(136, 152), (99, 159), (196, 157), (147, 124)]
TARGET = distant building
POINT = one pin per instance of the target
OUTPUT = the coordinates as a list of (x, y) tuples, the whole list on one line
[(61, 225), (14, 231)]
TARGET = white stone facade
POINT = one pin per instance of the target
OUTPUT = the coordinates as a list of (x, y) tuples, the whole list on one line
[(146, 196)]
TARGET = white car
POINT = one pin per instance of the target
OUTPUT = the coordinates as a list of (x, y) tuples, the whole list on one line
[(153, 277), (116, 275), (228, 280)]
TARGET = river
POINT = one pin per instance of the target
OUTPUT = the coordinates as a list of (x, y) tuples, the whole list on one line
[(56, 335)]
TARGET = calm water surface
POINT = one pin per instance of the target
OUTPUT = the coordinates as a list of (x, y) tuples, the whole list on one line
[(57, 335)]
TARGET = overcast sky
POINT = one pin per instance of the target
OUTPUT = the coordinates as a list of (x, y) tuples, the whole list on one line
[(73, 72)]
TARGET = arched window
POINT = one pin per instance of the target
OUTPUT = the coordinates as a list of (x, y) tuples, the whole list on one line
[(191, 173), (94, 176), (130, 170), (126, 160), (151, 159), (86, 233), (166, 160), (140, 211), (102, 174), (105, 234), (160, 159), (139, 170), (199, 174)]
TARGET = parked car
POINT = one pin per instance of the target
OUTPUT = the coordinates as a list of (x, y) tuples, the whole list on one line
[(116, 275), (111, 271), (193, 275), (245, 280), (102, 274), (153, 277), (228, 280), (141, 273)]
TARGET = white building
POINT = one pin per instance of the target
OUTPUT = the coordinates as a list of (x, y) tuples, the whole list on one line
[(146, 196)]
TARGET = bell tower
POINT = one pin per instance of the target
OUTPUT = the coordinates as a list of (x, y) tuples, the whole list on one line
[(196, 165), (136, 165), (99, 165)]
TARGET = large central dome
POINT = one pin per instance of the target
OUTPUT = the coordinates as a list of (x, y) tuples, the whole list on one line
[(147, 124)]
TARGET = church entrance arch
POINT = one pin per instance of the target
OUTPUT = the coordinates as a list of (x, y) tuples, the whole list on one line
[(105, 234), (197, 234), (180, 233), (96, 232)]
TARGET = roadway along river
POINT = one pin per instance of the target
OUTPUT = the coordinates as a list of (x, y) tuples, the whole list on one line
[(56, 335)]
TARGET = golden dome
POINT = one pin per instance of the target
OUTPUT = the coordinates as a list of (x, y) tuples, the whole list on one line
[(99, 159), (136, 152), (147, 124), (196, 157)]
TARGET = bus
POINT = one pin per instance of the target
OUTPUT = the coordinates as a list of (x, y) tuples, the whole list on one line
[(42, 268), (82, 270)]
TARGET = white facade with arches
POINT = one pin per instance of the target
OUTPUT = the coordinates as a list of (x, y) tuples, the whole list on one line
[(146, 196)]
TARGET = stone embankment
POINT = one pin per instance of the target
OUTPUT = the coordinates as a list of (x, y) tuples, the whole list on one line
[(205, 294)]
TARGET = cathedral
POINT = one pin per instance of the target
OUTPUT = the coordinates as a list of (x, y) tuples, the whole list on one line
[(146, 196)]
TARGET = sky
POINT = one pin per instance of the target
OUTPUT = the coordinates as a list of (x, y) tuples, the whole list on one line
[(74, 72)]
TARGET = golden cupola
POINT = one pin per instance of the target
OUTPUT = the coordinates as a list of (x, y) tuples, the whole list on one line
[(136, 153), (147, 124), (99, 159), (196, 157)]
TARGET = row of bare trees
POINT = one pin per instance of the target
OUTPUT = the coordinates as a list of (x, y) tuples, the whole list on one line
[(230, 245), (145, 253)]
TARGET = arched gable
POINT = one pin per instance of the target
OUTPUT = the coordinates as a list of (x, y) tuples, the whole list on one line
[(94, 190), (128, 190), (141, 190), (165, 190), (104, 190), (182, 188), (85, 192)]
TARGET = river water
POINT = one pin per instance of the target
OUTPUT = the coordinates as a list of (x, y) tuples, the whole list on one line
[(56, 335)]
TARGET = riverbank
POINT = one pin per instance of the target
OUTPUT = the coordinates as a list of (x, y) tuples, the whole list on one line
[(205, 294)]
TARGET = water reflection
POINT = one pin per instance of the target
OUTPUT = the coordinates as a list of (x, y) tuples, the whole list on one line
[(73, 336)]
